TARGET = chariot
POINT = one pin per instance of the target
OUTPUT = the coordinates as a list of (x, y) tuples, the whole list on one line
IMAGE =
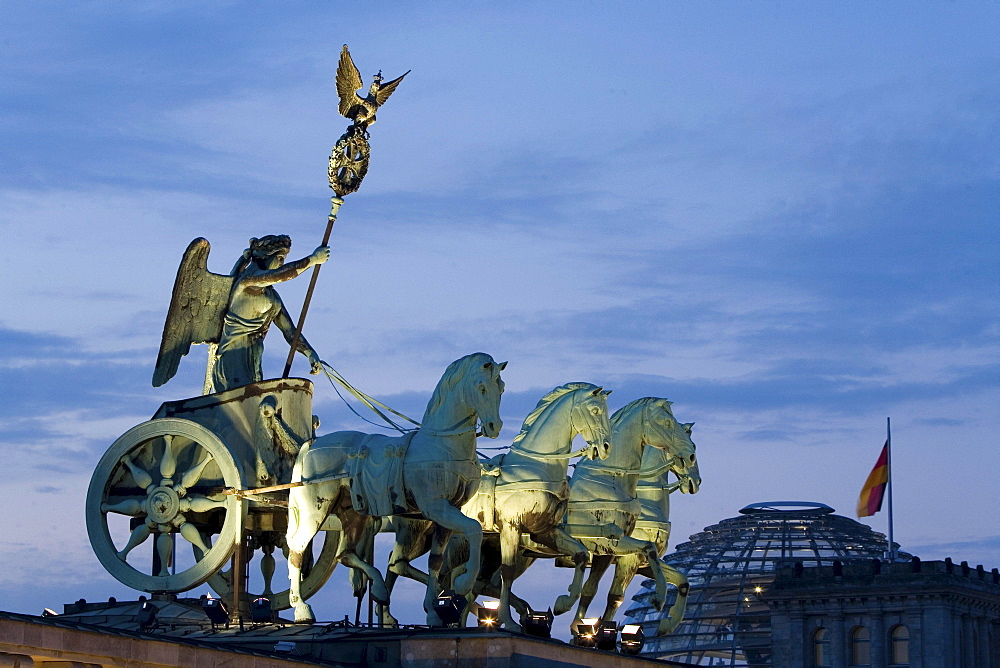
[(212, 471)]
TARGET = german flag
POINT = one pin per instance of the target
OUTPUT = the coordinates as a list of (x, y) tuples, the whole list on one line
[(870, 501)]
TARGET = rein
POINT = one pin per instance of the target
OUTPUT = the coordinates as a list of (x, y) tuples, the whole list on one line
[(334, 377)]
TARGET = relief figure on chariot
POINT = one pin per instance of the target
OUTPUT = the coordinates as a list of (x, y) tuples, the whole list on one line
[(233, 311)]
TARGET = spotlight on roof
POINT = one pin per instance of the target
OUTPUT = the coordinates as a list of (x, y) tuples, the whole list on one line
[(489, 614), (49, 612), (607, 636), (449, 607), (147, 616), (631, 639), (538, 624), (261, 611), (216, 611), (585, 633)]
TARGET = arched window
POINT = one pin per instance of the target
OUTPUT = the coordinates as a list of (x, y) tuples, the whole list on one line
[(861, 645), (899, 646), (821, 648)]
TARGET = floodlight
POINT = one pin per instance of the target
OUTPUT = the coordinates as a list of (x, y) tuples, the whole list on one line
[(147, 616), (538, 624), (49, 612), (607, 636), (216, 611), (586, 632), (489, 614), (261, 611), (449, 607), (631, 639)]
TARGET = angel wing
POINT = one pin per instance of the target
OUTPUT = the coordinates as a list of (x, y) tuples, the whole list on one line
[(348, 82), (385, 90), (197, 309)]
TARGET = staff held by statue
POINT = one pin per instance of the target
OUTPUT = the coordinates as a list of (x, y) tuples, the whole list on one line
[(349, 158)]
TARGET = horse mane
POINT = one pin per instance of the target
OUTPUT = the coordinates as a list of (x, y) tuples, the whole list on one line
[(455, 372), (629, 410), (544, 403)]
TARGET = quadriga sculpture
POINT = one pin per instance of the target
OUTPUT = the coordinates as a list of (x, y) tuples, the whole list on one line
[(611, 491), (429, 473), (523, 491), (653, 492)]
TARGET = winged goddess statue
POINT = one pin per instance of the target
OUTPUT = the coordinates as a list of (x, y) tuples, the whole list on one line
[(233, 311), (361, 110)]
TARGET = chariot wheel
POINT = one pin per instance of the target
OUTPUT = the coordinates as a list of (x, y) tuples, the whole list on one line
[(315, 572), (161, 480)]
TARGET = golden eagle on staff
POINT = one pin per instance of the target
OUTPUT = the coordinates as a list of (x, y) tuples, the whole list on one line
[(359, 109)]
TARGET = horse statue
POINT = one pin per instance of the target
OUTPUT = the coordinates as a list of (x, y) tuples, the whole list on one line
[(530, 494), (427, 473), (603, 492), (653, 491), (523, 491)]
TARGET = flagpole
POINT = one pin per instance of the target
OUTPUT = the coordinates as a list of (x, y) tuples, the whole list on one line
[(888, 464)]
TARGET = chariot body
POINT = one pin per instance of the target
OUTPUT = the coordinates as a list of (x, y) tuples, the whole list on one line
[(213, 472)]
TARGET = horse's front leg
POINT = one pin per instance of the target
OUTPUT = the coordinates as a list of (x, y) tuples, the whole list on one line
[(510, 544), (435, 560), (451, 518), (306, 512), (356, 530), (670, 621), (564, 543), (625, 569), (599, 563), (628, 545), (412, 538)]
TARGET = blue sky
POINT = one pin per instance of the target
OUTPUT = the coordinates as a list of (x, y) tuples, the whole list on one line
[(782, 217)]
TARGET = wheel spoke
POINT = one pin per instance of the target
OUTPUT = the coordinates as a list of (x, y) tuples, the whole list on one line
[(200, 504), (192, 535), (193, 475), (165, 550), (142, 479), (139, 534), (168, 465), (132, 507)]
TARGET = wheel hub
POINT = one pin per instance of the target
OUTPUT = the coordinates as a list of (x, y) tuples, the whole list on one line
[(164, 504)]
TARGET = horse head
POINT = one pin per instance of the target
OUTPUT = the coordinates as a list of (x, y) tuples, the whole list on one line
[(483, 391), (661, 430), (590, 419)]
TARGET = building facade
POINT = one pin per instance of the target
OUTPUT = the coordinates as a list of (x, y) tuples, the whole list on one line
[(915, 615)]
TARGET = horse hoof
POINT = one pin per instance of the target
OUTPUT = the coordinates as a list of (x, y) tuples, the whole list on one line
[(513, 627), (563, 604), (304, 614)]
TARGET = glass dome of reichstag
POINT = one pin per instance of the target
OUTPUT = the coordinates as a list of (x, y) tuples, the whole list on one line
[(730, 566)]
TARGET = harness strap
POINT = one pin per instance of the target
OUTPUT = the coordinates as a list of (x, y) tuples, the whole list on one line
[(538, 455), (552, 486)]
